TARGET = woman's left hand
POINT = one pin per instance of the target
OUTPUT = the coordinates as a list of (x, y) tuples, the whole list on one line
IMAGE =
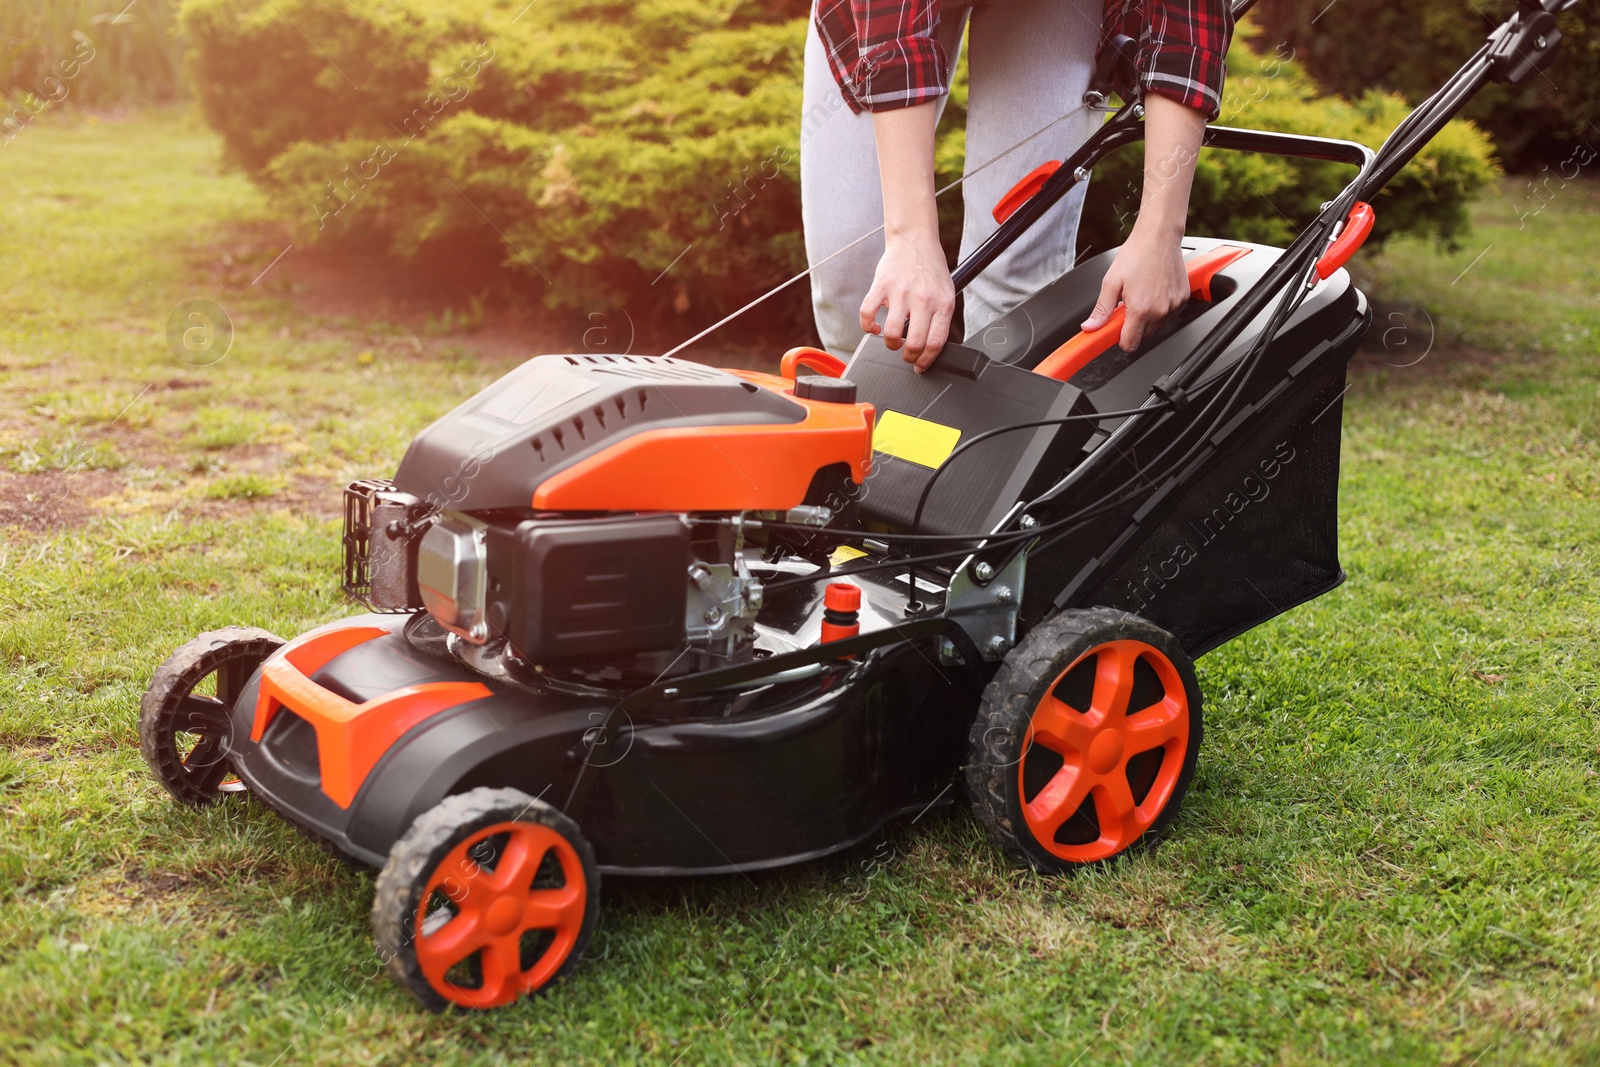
[(1148, 278)]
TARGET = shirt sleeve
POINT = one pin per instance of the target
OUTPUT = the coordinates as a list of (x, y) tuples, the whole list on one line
[(1183, 47), (884, 54)]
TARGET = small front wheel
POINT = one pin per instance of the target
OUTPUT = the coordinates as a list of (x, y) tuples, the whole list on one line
[(1086, 740), (183, 729), (491, 895)]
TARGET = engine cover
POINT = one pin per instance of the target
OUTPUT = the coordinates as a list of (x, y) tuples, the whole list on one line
[(623, 433), (591, 590)]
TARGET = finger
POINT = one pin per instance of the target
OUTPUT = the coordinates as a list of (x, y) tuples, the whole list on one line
[(1133, 327), (1110, 293), (869, 309), (928, 315), (938, 334), (894, 324), (917, 330)]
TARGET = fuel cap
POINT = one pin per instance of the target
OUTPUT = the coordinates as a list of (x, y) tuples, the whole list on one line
[(828, 390)]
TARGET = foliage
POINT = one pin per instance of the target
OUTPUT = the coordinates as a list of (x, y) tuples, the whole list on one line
[(93, 52), (637, 155), (1411, 48), (566, 135)]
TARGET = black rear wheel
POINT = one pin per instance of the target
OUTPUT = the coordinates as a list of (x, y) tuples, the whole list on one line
[(1086, 740), (183, 717)]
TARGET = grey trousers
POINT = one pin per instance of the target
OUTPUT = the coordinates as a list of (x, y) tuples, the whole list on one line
[(1029, 64)]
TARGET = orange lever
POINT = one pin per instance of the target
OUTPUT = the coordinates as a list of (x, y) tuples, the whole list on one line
[(824, 363), (1025, 190), (1081, 349), (1356, 227)]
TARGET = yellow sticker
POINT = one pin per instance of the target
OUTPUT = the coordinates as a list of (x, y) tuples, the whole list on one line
[(914, 440), (844, 554)]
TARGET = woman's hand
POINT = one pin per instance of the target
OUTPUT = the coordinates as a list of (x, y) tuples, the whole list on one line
[(913, 282), (1149, 279), (1148, 276)]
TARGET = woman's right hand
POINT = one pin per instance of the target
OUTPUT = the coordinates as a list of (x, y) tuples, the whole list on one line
[(913, 282)]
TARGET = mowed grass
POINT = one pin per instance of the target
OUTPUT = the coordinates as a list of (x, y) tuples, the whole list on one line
[(1389, 853)]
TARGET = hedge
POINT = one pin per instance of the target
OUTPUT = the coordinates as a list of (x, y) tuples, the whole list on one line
[(1411, 48), (646, 154)]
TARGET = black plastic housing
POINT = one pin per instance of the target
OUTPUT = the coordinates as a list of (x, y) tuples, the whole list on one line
[(1246, 527), (715, 783), (596, 590), (967, 391)]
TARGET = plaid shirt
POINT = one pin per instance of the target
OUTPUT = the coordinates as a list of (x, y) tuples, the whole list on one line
[(884, 53)]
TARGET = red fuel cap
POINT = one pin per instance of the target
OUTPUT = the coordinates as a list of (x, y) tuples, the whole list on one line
[(841, 602)]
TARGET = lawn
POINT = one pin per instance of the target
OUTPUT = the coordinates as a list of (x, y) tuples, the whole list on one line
[(1390, 852)]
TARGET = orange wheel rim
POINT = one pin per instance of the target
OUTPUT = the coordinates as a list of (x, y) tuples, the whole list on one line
[(476, 916), (1096, 745)]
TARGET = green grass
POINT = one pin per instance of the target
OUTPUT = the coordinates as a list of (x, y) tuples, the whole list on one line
[(1389, 854)]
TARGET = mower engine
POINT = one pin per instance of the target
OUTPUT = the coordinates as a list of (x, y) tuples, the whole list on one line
[(587, 513)]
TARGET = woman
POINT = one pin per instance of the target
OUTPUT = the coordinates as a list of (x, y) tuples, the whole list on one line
[(876, 77)]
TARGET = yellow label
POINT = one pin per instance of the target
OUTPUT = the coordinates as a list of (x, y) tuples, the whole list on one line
[(844, 554), (914, 440)]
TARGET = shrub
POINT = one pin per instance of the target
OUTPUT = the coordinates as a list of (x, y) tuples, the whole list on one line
[(1411, 48), (643, 154)]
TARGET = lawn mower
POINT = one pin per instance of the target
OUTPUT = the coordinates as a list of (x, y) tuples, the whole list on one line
[(633, 615)]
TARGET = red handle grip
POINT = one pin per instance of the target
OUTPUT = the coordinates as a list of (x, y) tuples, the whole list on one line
[(824, 363), (1025, 190), (1081, 349), (1356, 227)]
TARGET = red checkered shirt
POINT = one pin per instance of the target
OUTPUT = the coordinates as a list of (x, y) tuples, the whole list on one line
[(884, 53)]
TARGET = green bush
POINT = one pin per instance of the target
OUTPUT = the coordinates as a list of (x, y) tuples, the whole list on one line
[(1411, 48), (597, 143), (643, 154)]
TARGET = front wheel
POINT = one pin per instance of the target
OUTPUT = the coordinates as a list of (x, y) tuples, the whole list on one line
[(490, 895), (1086, 740), (183, 716)]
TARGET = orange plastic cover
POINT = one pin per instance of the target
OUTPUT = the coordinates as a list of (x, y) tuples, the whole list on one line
[(351, 737), (718, 468)]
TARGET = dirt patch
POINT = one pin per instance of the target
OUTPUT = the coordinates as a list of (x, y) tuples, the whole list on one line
[(1453, 363), (52, 501), (455, 296), (114, 892), (315, 498), (35, 748)]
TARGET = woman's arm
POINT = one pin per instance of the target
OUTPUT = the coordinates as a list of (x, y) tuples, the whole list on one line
[(912, 279), (913, 282), (1181, 72), (1148, 274)]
